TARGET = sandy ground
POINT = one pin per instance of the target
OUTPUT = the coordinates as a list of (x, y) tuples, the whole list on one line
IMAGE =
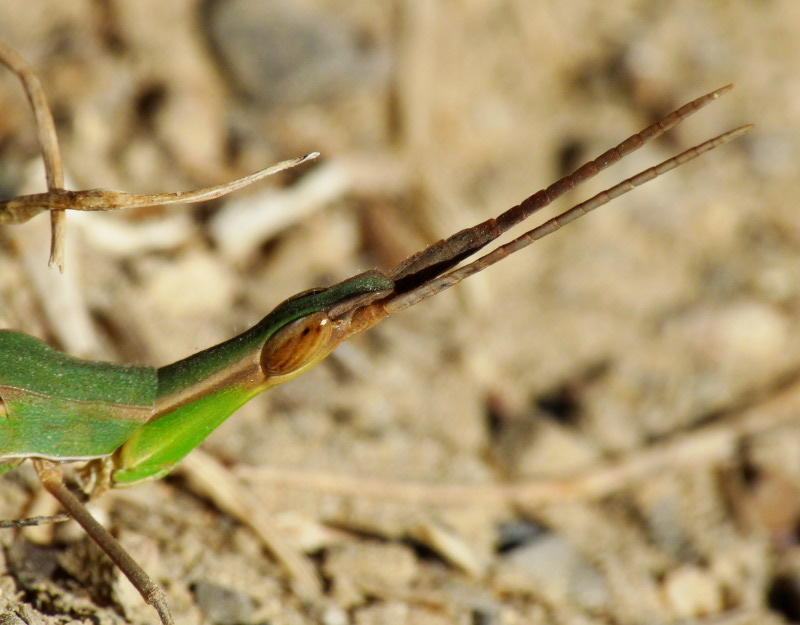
[(600, 430)]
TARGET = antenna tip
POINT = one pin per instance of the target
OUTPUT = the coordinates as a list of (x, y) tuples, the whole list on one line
[(722, 90), (737, 132)]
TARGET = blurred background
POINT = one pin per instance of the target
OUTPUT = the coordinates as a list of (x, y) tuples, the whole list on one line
[(666, 317)]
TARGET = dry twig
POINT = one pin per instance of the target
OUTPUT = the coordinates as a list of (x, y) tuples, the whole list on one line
[(57, 199)]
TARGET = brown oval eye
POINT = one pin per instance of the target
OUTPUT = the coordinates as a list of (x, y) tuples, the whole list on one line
[(296, 344)]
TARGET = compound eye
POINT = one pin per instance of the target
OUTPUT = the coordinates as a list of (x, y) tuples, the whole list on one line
[(301, 342)]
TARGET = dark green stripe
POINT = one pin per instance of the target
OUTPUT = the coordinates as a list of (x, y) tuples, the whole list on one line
[(194, 369), (28, 363)]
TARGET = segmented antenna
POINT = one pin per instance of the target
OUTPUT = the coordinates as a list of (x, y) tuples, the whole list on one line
[(431, 271)]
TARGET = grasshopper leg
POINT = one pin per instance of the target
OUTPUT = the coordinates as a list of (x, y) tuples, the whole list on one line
[(52, 479)]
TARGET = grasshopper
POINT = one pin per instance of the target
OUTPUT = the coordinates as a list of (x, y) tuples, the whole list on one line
[(131, 424)]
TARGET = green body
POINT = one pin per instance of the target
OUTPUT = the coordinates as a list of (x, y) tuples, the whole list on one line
[(60, 407), (64, 408)]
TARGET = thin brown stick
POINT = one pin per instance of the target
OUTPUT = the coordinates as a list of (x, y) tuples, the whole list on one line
[(57, 200), (22, 208), (34, 521), (50, 474), (54, 171)]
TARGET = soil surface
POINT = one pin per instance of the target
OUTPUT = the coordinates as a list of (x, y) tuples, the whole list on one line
[(605, 428)]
